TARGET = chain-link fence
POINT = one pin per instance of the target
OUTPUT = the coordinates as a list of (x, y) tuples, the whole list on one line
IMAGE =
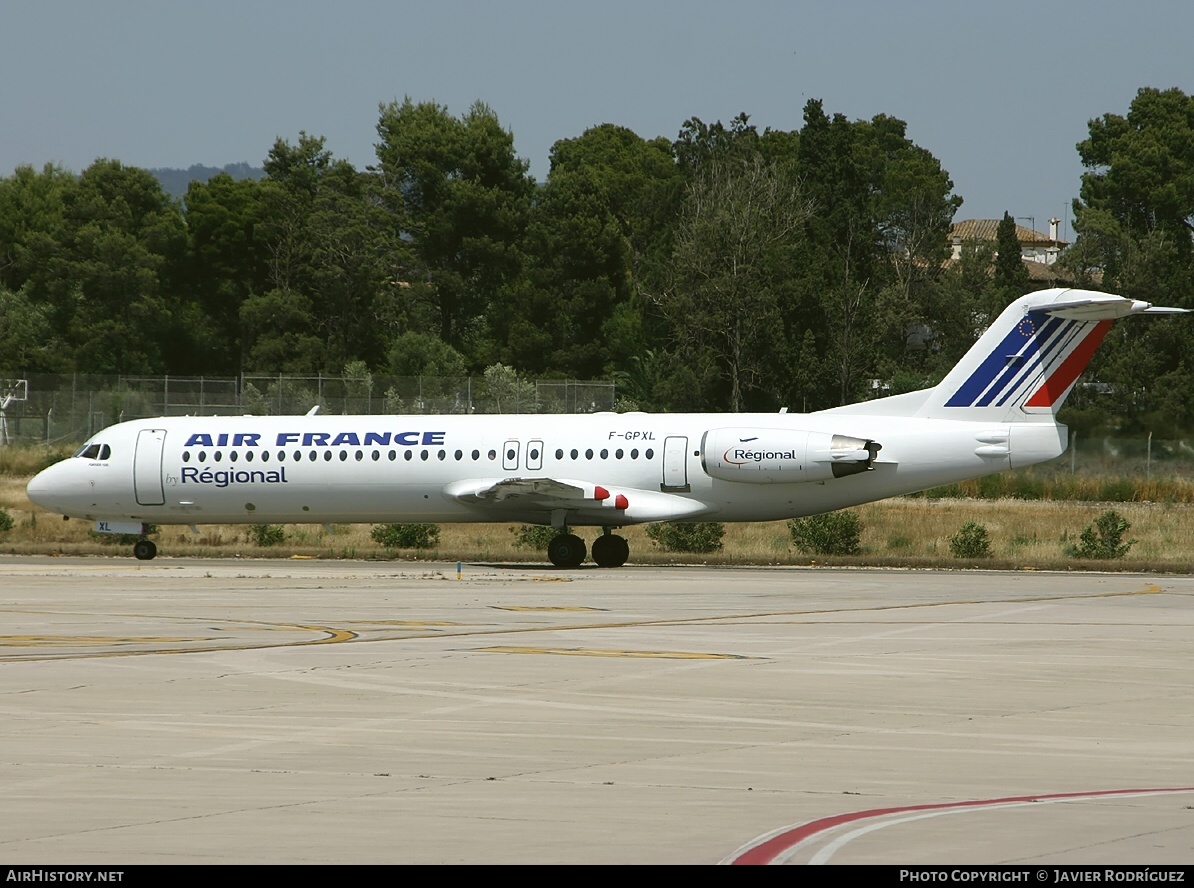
[(61, 408)]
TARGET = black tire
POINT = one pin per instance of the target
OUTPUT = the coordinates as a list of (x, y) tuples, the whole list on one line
[(610, 550), (566, 550), (145, 550)]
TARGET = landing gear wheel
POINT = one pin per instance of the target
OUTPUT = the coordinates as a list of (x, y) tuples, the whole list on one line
[(145, 550), (566, 550), (610, 550)]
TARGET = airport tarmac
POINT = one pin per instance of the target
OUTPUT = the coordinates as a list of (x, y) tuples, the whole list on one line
[(302, 711)]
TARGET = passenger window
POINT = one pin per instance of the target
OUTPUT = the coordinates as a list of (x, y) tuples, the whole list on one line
[(589, 453), (343, 455), (408, 456), (476, 455), (605, 454), (232, 455), (327, 456), (186, 456), (202, 456), (248, 456), (559, 454), (650, 454), (219, 455)]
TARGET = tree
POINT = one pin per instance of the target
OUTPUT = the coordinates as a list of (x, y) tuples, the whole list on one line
[(598, 227), (1011, 277), (463, 197), (334, 262), (1135, 224), (739, 216), (227, 261), (32, 208), (113, 277), (27, 342)]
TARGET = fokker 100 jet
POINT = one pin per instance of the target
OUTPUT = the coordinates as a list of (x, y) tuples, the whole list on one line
[(995, 410)]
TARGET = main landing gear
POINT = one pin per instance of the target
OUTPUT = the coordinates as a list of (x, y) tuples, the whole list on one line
[(568, 550)]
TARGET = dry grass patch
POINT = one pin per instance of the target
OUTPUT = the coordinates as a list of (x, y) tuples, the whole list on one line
[(908, 532)]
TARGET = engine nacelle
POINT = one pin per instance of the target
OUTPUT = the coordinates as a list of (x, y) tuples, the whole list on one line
[(784, 456)]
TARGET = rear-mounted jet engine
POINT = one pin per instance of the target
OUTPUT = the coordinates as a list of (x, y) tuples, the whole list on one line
[(779, 456)]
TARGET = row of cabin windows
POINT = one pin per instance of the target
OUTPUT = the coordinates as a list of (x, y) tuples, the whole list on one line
[(408, 455)]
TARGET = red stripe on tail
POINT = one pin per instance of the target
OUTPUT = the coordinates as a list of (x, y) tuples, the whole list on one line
[(1071, 368)]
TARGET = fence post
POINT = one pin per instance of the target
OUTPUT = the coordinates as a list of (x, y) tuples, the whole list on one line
[(1073, 450), (1148, 459)]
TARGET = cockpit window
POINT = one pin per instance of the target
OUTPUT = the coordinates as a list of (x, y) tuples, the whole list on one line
[(95, 451)]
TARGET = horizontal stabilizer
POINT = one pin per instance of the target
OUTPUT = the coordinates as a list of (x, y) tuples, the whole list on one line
[(1106, 308)]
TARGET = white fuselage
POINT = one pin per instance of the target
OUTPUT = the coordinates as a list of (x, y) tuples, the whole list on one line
[(375, 469)]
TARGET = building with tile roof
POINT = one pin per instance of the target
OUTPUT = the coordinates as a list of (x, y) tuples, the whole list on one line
[(1038, 251)]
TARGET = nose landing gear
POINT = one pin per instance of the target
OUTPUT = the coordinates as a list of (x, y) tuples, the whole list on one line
[(145, 550)]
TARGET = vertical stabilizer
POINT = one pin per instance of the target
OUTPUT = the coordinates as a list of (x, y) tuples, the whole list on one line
[(1024, 366)]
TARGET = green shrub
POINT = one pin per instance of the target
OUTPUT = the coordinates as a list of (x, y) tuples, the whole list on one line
[(833, 533), (533, 536), (701, 536), (406, 536), (267, 534), (6, 522), (971, 541), (1104, 538)]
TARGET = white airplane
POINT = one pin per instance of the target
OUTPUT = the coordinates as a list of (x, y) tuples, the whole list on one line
[(995, 410)]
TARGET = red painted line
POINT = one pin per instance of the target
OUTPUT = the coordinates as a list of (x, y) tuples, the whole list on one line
[(1071, 368), (766, 852)]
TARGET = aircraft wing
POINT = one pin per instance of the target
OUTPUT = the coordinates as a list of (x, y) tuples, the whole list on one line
[(583, 501)]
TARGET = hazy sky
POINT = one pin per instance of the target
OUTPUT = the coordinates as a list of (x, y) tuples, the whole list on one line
[(999, 92)]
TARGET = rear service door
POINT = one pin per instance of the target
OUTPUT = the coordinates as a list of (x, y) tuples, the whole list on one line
[(675, 464), (147, 467)]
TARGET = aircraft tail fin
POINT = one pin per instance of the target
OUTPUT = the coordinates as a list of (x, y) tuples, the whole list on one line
[(1026, 363)]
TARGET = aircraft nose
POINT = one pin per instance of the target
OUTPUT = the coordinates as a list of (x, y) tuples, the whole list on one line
[(43, 490)]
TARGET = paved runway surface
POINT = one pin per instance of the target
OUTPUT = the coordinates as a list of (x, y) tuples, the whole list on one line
[(349, 712)]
